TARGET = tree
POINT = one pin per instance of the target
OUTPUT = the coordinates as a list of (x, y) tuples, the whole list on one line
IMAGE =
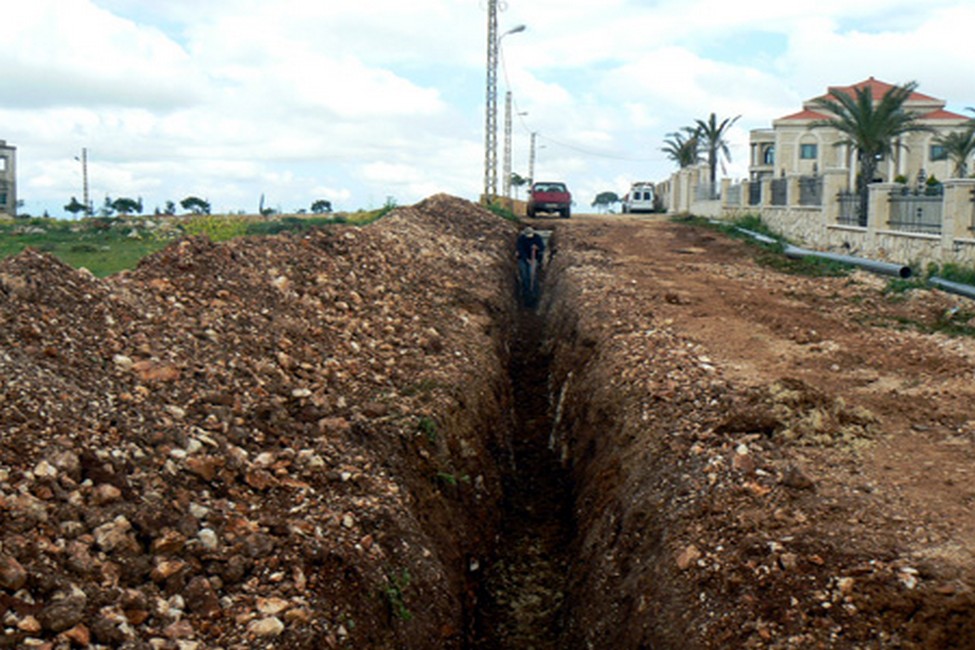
[(195, 205), (959, 147), (170, 208), (75, 206), (711, 135), (518, 181), (107, 209), (873, 127), (321, 206), (125, 206), (605, 200), (684, 148)]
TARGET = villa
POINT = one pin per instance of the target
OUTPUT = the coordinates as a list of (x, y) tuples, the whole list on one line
[(790, 147)]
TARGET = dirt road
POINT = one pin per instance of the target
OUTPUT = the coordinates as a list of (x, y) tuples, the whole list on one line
[(838, 414)]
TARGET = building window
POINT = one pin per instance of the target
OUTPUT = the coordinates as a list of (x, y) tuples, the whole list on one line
[(938, 152), (3, 163), (807, 151), (768, 156), (3, 199)]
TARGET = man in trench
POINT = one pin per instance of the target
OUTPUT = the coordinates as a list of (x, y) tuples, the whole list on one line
[(529, 250)]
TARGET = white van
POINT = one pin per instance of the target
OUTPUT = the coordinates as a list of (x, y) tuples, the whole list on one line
[(639, 198)]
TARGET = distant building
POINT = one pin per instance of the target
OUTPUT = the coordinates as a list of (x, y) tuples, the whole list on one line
[(790, 147), (8, 179)]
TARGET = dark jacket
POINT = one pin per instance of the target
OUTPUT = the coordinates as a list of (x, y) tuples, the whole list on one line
[(525, 245)]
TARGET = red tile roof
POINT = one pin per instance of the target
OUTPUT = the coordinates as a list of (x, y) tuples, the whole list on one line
[(942, 114), (806, 115), (877, 90)]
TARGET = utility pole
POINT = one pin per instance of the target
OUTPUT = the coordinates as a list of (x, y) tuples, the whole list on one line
[(84, 180), (506, 180), (491, 102), (491, 107), (531, 159)]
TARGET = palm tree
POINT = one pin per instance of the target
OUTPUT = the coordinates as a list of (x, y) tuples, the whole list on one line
[(683, 148), (959, 146), (712, 137), (873, 127)]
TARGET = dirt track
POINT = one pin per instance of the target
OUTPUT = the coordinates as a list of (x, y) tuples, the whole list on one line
[(308, 442), (807, 447)]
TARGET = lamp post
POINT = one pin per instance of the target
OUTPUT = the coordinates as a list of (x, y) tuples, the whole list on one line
[(491, 103)]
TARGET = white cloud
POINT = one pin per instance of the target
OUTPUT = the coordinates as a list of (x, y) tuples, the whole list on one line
[(305, 99)]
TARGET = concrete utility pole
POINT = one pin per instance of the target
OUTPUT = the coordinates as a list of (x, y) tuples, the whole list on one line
[(491, 102), (84, 180), (491, 106), (506, 180), (531, 159)]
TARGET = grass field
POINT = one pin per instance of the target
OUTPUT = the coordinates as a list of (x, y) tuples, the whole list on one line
[(111, 244)]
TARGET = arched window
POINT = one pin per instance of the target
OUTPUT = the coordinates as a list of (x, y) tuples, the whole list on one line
[(768, 155)]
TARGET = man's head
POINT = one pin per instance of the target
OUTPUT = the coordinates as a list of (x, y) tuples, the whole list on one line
[(528, 231)]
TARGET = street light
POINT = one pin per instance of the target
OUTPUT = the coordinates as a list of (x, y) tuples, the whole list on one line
[(491, 107)]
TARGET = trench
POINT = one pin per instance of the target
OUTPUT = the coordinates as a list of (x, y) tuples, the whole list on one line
[(522, 595)]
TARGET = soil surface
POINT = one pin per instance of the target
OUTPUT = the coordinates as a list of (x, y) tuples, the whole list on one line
[(761, 459), (357, 438)]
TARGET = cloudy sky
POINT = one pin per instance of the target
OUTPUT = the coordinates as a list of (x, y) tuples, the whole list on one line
[(360, 101)]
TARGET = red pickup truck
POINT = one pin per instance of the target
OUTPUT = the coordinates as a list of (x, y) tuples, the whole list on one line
[(549, 197)]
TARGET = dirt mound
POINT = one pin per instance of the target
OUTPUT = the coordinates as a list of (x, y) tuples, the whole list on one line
[(268, 441)]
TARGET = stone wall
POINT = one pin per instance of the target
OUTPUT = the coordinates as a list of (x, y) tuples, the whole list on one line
[(820, 227)]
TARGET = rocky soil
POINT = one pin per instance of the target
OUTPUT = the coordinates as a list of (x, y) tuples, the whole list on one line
[(275, 442), (356, 439)]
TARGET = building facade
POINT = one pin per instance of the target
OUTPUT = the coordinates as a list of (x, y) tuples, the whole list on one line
[(8, 179), (791, 147)]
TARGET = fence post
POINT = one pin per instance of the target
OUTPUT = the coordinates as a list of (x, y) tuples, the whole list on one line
[(792, 190), (834, 182), (766, 192), (725, 186), (956, 214)]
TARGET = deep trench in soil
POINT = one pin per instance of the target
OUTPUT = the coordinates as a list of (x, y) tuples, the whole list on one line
[(522, 594)]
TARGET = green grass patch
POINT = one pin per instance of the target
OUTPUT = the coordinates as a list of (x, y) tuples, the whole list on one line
[(396, 584), (770, 255)]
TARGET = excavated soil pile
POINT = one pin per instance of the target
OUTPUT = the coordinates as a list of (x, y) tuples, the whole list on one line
[(278, 442), (760, 460), (333, 441)]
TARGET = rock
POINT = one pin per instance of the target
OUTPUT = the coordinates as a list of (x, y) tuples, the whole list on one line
[(266, 627), (793, 477), (63, 614), (105, 494), (208, 538), (201, 598), (113, 534), (13, 576), (272, 606), (687, 557)]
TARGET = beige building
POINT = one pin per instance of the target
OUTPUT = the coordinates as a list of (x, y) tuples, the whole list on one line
[(791, 148), (8, 179)]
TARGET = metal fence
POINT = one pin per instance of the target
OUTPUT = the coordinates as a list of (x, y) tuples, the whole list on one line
[(917, 210), (706, 192), (734, 195), (755, 193), (780, 191), (810, 190), (850, 210)]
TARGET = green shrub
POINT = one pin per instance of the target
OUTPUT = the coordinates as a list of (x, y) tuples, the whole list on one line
[(217, 228)]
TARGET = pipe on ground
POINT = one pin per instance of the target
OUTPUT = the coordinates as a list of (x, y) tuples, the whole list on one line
[(966, 290), (883, 268)]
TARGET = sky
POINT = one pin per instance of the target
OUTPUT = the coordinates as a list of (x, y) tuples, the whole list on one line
[(362, 103)]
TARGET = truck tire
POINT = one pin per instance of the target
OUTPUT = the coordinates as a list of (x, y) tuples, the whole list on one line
[(566, 213)]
